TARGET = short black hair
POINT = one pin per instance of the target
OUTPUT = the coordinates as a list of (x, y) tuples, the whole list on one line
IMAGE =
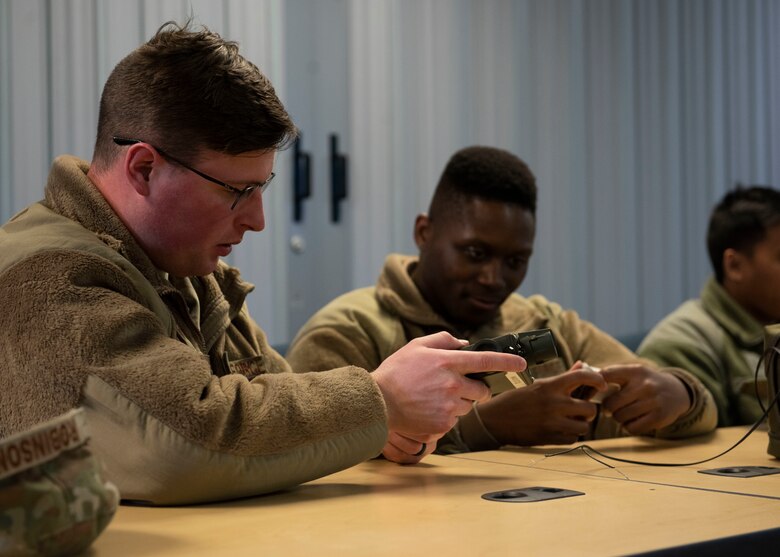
[(484, 172), (740, 220)]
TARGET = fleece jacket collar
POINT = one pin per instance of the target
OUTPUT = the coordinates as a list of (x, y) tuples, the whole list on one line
[(72, 194), (731, 316), (397, 292)]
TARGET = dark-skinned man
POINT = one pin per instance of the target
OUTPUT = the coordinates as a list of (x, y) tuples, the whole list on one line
[(475, 245)]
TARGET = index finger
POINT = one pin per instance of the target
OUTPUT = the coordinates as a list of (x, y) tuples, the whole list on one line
[(620, 374), (579, 377), (464, 362)]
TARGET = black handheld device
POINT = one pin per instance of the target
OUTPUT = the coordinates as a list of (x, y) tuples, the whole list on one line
[(536, 346)]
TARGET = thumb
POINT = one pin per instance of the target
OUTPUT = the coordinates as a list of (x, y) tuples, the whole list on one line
[(442, 339)]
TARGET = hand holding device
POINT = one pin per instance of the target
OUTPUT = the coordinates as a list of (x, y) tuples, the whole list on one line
[(424, 384), (586, 392), (536, 347), (648, 400)]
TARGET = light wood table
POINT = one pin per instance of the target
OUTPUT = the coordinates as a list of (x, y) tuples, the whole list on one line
[(750, 452), (435, 509)]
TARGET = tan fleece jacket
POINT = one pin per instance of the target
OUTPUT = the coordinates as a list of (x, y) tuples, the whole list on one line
[(365, 326), (184, 406), (718, 341)]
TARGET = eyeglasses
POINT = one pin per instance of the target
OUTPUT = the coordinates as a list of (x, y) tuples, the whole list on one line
[(239, 193)]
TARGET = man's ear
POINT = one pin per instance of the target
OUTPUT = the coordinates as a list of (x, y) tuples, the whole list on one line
[(138, 164), (422, 230), (733, 265)]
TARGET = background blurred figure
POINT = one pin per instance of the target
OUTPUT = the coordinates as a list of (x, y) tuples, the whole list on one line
[(719, 336)]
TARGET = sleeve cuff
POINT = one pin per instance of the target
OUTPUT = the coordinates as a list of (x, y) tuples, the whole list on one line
[(698, 419), (474, 433)]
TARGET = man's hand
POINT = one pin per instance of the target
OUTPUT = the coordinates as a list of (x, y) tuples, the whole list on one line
[(647, 400), (544, 412), (424, 383), (403, 449)]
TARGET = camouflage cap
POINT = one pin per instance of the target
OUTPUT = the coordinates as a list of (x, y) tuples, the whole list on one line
[(52, 498)]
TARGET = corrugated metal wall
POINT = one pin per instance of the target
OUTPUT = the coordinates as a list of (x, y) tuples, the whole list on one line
[(635, 116)]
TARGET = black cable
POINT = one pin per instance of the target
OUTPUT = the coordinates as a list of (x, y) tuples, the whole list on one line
[(587, 449), (755, 382)]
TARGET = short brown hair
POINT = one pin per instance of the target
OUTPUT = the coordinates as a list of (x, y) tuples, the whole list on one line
[(186, 90)]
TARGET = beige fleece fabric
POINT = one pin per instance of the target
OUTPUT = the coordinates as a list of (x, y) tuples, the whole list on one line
[(365, 326), (81, 301)]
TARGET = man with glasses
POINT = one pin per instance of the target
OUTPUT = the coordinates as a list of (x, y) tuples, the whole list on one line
[(475, 247), (237, 192), (114, 298)]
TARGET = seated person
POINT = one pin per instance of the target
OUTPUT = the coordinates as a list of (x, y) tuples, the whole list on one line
[(114, 298), (475, 245), (719, 336)]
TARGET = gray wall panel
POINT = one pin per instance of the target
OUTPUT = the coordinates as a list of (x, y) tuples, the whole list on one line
[(636, 116), (27, 102)]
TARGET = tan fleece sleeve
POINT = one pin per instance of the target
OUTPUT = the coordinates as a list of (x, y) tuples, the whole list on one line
[(470, 434), (66, 316), (152, 464), (320, 348), (701, 418)]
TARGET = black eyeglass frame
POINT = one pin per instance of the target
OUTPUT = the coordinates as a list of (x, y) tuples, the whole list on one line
[(238, 192)]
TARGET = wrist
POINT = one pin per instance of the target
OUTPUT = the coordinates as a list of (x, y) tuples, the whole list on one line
[(392, 414), (690, 394), (474, 432)]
